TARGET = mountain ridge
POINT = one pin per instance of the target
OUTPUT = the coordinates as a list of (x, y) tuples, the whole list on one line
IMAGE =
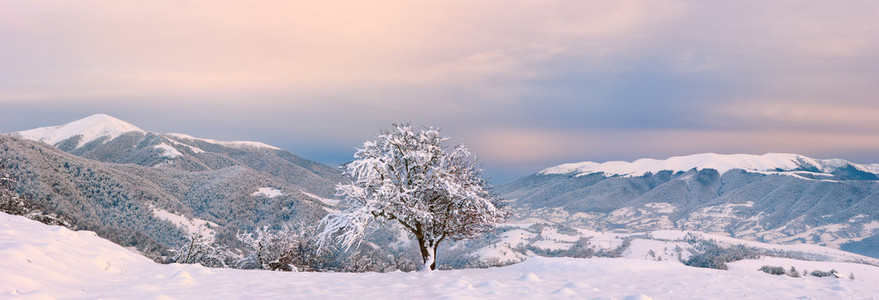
[(104, 138), (116, 179), (774, 198), (769, 162)]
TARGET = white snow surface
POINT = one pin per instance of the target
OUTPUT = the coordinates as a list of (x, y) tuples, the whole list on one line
[(231, 144), (91, 128), (191, 148), (48, 262), (770, 162), (168, 151), (191, 225), (268, 192), (327, 201)]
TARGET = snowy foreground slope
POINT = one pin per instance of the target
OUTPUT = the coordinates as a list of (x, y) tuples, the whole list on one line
[(48, 262)]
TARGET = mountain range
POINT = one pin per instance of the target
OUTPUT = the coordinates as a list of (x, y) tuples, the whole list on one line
[(150, 190), (774, 198)]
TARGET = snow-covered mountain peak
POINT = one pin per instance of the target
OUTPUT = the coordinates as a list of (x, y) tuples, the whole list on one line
[(90, 128), (99, 126), (770, 162)]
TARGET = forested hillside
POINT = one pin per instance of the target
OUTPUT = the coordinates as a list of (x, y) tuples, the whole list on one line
[(119, 200)]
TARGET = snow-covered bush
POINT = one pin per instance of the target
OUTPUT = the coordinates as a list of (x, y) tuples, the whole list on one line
[(199, 249), (409, 177), (285, 249), (818, 273), (291, 248), (582, 248), (772, 270), (710, 255)]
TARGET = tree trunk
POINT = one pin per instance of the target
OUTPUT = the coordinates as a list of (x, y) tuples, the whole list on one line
[(428, 253)]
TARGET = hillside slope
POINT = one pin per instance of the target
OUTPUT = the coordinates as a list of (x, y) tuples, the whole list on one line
[(104, 138), (776, 198), (122, 202)]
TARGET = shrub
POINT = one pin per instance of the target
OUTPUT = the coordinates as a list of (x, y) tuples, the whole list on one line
[(286, 249), (793, 272), (772, 270), (711, 255)]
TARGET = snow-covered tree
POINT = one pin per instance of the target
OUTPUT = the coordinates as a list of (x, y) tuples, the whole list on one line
[(199, 249), (10, 202), (286, 249), (409, 177)]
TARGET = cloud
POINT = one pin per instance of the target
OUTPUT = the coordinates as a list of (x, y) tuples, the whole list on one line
[(525, 147), (216, 46), (830, 118), (524, 81)]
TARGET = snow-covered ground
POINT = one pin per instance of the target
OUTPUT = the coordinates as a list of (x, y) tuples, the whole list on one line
[(168, 151), (191, 225), (230, 144), (520, 241), (46, 262), (268, 192), (327, 201)]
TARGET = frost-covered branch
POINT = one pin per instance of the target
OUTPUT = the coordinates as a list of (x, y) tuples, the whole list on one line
[(409, 177)]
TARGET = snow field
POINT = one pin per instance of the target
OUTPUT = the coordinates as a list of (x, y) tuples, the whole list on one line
[(267, 192), (191, 225), (48, 262), (327, 201), (662, 245), (168, 151), (230, 144), (832, 254), (191, 148)]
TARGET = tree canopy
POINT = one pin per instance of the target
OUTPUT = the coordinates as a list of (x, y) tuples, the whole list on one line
[(410, 177)]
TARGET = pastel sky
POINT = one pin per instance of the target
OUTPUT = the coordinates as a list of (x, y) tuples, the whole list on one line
[(524, 84)]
